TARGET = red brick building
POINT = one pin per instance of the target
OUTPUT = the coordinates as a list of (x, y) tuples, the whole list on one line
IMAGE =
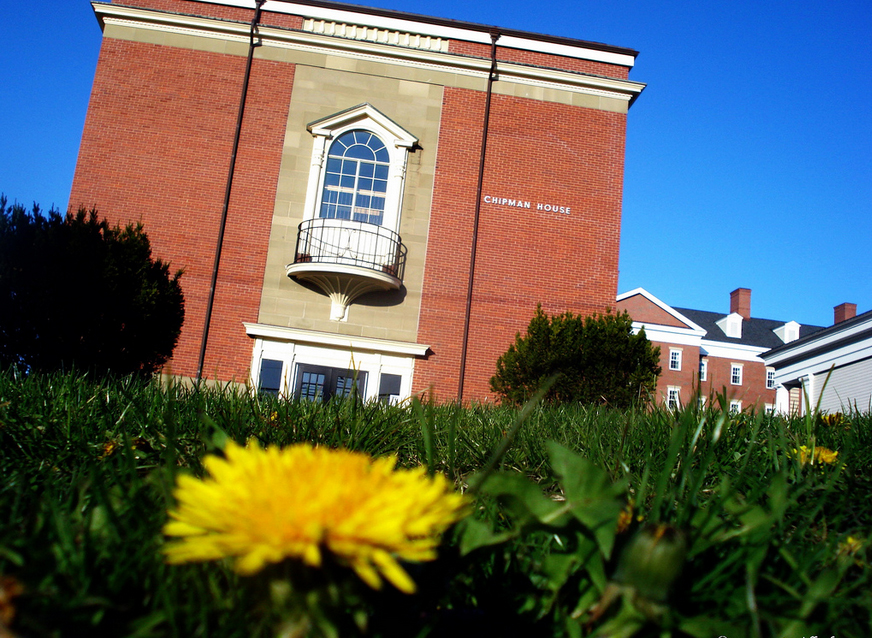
[(704, 353), (405, 189)]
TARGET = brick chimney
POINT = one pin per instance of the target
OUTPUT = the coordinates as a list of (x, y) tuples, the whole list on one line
[(843, 312), (740, 301)]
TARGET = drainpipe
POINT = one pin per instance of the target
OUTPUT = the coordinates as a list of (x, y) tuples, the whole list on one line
[(487, 107), (253, 41)]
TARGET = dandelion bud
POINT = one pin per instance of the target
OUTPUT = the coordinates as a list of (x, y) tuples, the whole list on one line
[(652, 561)]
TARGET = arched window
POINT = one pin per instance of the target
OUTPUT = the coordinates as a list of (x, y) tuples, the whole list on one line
[(358, 168), (356, 178)]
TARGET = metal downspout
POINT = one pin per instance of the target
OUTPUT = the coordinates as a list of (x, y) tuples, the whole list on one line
[(487, 107), (253, 42)]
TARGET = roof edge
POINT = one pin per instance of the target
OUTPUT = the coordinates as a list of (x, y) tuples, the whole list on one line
[(663, 306), (485, 31)]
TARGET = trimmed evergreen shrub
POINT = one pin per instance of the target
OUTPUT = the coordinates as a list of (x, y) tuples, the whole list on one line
[(76, 292), (590, 360)]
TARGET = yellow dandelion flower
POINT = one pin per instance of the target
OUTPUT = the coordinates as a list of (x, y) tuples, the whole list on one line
[(261, 506), (821, 455), (825, 455), (803, 453)]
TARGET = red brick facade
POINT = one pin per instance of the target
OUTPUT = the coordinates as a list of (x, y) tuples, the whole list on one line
[(237, 14), (751, 392), (156, 148), (535, 153)]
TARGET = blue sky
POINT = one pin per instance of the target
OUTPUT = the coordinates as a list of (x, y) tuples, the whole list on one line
[(749, 155)]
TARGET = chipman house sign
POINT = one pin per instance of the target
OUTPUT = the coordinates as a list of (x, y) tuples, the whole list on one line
[(521, 203)]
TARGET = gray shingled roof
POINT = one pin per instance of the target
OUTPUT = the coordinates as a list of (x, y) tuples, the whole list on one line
[(825, 332), (755, 332)]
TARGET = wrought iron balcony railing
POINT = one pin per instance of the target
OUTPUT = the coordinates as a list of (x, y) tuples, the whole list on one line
[(350, 243)]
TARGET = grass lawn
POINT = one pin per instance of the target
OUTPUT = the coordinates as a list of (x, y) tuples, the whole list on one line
[(583, 521)]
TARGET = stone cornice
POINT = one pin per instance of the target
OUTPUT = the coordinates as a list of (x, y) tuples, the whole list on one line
[(618, 89), (444, 28)]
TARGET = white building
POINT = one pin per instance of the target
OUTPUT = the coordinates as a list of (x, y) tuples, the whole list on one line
[(830, 369)]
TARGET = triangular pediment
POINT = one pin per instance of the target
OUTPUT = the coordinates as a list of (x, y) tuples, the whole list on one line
[(645, 308), (363, 113)]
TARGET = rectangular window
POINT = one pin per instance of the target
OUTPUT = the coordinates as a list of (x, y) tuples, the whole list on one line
[(735, 407), (270, 381), (770, 378), (703, 369), (673, 400), (320, 383), (769, 408), (389, 388), (736, 374), (674, 359), (701, 402)]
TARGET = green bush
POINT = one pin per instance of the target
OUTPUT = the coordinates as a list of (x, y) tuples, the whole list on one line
[(592, 360), (75, 292)]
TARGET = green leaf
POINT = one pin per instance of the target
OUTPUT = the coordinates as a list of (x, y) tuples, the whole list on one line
[(557, 568), (591, 496), (524, 500), (706, 627), (817, 592), (474, 534)]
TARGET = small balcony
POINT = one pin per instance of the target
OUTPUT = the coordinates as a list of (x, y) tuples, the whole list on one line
[(347, 259)]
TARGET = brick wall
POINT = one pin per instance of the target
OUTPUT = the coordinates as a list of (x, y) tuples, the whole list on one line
[(156, 148), (643, 311), (535, 58), (191, 7), (687, 378), (753, 389), (541, 152)]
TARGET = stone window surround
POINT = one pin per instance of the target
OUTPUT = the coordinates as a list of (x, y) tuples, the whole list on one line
[(367, 118)]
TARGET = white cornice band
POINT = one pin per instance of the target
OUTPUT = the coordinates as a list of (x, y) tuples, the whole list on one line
[(347, 342), (624, 90), (481, 36), (669, 334), (734, 351)]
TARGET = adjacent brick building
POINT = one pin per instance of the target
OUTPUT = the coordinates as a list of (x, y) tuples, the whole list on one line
[(357, 188), (704, 354)]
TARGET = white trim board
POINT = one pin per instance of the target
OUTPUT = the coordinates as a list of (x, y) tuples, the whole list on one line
[(349, 342), (668, 334), (734, 351)]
